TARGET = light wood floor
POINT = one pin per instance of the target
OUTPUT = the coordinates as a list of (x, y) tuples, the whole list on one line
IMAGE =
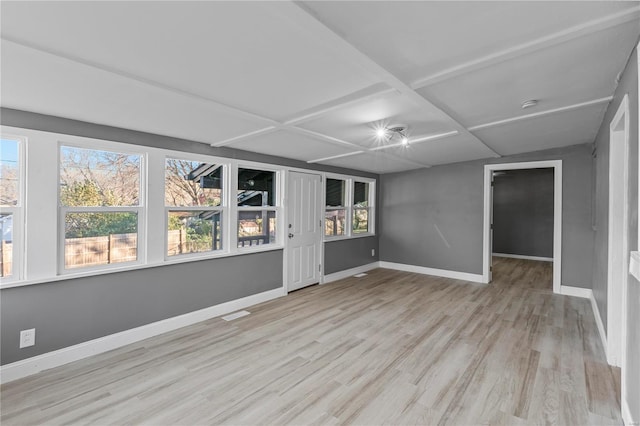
[(389, 348)]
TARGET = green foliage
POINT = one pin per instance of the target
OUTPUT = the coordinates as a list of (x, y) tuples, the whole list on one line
[(86, 193), (80, 225)]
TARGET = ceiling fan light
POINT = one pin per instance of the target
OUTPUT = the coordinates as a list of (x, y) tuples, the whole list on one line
[(405, 141), (381, 133)]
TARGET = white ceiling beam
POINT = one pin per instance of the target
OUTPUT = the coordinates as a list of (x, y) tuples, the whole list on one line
[(541, 113), (550, 40), (358, 148), (310, 23), (418, 139), (372, 92), (145, 81), (259, 132), (333, 157)]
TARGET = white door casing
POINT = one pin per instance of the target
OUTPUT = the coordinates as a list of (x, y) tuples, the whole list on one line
[(557, 215), (618, 239), (304, 230)]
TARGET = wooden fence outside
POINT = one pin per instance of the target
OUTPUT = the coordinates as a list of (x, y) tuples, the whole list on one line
[(101, 250), (6, 257)]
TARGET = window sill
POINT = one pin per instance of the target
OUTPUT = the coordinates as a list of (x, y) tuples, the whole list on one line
[(138, 266), (352, 237)]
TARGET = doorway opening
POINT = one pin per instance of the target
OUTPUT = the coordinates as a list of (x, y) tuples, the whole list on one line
[(556, 253)]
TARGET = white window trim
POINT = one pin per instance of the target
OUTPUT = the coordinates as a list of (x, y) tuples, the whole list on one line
[(140, 209), (277, 208), (350, 207), (40, 203), (223, 208), (17, 211)]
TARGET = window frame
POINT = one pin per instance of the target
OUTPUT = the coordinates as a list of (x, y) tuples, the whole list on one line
[(350, 207), (276, 208), (140, 209), (18, 230), (223, 208)]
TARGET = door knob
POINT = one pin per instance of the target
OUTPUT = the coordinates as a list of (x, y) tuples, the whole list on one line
[(290, 235)]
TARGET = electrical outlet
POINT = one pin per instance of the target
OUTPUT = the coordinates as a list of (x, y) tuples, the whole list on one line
[(27, 338), (373, 252)]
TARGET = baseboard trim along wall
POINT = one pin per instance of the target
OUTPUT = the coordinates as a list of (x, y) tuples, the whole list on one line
[(626, 414), (521, 256), (36, 364), (432, 271), (587, 293), (349, 272)]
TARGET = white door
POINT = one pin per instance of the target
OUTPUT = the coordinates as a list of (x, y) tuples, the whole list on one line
[(304, 230)]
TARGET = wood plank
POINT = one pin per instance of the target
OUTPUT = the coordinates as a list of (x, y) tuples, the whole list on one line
[(389, 348)]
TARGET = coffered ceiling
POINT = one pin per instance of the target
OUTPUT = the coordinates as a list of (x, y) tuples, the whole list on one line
[(314, 80)]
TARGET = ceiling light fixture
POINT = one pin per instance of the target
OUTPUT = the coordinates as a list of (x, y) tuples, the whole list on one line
[(388, 133), (530, 103)]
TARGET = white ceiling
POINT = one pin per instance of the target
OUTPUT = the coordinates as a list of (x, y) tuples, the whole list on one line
[(312, 80)]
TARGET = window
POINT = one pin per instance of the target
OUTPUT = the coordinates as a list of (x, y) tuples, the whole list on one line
[(335, 212), (257, 207), (194, 206), (349, 207), (360, 219), (100, 207), (10, 208)]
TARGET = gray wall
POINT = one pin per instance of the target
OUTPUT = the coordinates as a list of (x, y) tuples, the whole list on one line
[(433, 217), (523, 212), (347, 254), (69, 312), (628, 85), (73, 311)]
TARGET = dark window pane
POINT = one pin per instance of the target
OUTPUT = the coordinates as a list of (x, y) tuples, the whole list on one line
[(361, 194), (335, 192), (256, 187)]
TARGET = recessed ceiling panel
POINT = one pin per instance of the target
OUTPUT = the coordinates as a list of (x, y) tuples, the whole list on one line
[(43, 83), (551, 131), (357, 123), (576, 71), (257, 56), (374, 162), (452, 149), (291, 145), (416, 39)]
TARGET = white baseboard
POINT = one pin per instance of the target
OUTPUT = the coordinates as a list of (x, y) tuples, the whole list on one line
[(36, 364), (596, 313), (585, 293), (521, 256), (626, 414), (349, 272), (432, 271)]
